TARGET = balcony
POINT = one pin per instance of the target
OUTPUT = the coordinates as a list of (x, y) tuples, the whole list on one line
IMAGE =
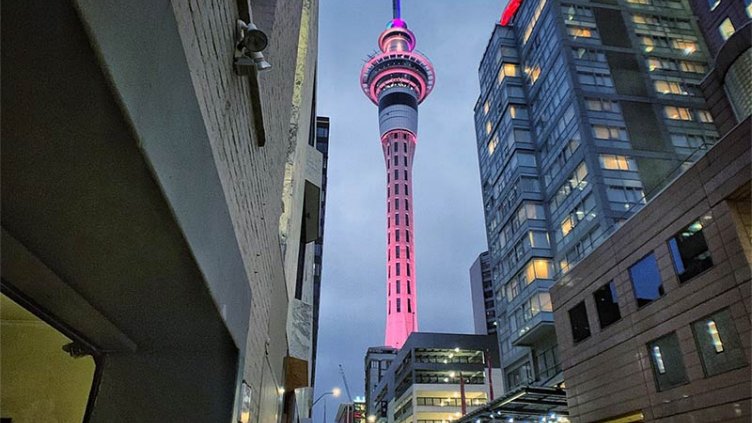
[(540, 327)]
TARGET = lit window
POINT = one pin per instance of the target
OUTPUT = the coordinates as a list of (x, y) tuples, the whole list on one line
[(726, 29), (669, 87), (508, 69), (616, 162), (486, 107), (668, 363), (647, 44), (748, 7), (579, 32), (693, 67), (686, 46), (492, 144), (715, 336), (658, 357), (533, 73), (690, 252), (718, 343), (677, 113), (567, 225), (488, 128)]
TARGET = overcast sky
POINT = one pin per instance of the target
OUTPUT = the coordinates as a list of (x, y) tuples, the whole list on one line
[(449, 228)]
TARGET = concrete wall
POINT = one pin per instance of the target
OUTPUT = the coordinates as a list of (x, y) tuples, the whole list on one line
[(609, 373)]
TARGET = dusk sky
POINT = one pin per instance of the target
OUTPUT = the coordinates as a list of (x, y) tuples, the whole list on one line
[(448, 214)]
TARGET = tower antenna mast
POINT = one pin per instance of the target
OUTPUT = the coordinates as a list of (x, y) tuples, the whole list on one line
[(396, 9)]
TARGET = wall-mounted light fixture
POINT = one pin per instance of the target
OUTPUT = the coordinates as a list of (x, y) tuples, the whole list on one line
[(249, 61)]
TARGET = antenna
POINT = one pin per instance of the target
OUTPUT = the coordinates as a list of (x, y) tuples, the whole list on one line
[(396, 9)]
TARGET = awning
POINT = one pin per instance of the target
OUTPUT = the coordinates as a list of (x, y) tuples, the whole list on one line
[(524, 404)]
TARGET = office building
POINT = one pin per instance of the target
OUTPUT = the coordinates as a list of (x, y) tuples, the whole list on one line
[(654, 325), (145, 161), (481, 293), (377, 361), (586, 110), (397, 79), (432, 374)]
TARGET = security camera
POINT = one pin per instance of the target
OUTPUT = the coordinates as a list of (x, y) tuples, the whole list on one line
[(250, 41)]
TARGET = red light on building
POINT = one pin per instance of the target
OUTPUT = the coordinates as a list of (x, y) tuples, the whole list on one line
[(509, 11)]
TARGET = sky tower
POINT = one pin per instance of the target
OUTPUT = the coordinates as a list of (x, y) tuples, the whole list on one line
[(397, 79)]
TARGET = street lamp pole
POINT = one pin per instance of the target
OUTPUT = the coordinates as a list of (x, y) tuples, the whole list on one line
[(334, 392)]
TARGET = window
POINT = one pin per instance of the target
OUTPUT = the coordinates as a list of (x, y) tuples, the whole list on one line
[(580, 32), (409, 306), (677, 113), (602, 132), (748, 7), (616, 162), (704, 116), (668, 365), (669, 87), (579, 321), (623, 197), (689, 252), (726, 28), (718, 343), (646, 280), (492, 144), (712, 4), (397, 269), (396, 222), (508, 69), (398, 287), (399, 303), (607, 304), (408, 285)]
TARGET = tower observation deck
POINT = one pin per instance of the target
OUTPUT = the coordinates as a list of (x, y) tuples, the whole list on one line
[(397, 80)]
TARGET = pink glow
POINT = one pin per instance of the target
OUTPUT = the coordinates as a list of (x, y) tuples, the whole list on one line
[(398, 66), (510, 11), (400, 324)]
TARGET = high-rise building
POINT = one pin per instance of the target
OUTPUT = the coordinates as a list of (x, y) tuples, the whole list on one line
[(481, 294), (397, 79), (586, 110), (727, 27)]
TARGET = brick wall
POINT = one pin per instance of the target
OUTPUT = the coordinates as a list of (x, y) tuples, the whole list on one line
[(251, 176)]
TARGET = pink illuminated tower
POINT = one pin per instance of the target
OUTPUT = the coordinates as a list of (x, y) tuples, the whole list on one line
[(397, 79)]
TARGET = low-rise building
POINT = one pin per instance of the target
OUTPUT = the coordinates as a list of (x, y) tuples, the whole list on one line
[(654, 325), (431, 375)]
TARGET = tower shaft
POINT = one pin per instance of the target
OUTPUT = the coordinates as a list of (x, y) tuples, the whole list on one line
[(397, 80)]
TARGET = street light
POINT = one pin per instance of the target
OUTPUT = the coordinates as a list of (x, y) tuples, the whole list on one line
[(334, 392)]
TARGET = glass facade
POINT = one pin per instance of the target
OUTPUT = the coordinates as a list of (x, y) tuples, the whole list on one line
[(585, 112)]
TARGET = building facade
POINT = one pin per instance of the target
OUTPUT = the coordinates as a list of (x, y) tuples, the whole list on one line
[(727, 29), (481, 294), (397, 79), (143, 183), (429, 377), (654, 325), (586, 109), (377, 362)]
